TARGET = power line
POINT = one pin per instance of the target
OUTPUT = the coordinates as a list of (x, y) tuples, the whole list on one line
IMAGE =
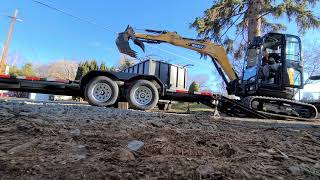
[(175, 54), (106, 28), (73, 16), (188, 55)]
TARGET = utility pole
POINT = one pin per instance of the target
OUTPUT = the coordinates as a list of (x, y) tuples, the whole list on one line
[(5, 49)]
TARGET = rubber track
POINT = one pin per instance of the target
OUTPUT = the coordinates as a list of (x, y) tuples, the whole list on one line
[(225, 104), (247, 102)]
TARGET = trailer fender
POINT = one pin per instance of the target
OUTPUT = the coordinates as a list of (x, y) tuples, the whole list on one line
[(92, 74), (155, 80)]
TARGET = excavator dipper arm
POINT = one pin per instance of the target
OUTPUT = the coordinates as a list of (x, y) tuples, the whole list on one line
[(204, 47)]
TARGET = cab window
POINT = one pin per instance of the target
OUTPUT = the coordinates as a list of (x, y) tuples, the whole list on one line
[(293, 49)]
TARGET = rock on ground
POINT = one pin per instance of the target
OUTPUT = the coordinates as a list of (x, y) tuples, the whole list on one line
[(54, 141)]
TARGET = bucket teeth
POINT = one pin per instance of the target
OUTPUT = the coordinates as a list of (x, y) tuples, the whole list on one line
[(123, 45)]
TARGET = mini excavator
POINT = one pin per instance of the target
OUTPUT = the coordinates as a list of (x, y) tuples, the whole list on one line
[(272, 71)]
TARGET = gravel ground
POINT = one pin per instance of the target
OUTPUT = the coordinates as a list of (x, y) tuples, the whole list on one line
[(70, 141)]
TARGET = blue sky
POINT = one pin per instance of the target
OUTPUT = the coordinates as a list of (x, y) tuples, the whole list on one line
[(45, 35)]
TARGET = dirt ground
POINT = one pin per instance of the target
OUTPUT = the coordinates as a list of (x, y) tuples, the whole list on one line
[(52, 141)]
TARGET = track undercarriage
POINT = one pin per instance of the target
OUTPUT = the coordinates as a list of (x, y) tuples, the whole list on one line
[(268, 108)]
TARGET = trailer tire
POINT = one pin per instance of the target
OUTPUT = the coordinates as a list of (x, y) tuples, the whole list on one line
[(142, 95), (101, 91)]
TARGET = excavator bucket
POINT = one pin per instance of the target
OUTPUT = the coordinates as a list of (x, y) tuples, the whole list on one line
[(123, 45)]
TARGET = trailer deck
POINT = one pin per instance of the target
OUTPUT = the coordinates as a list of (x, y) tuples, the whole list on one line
[(72, 88), (39, 85)]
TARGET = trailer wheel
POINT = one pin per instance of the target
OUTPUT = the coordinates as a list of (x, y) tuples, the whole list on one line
[(101, 91), (142, 95)]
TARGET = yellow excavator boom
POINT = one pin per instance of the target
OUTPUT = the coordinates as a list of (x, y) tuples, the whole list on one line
[(204, 47)]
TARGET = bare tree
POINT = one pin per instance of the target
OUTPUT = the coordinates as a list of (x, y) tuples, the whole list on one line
[(62, 69), (41, 70), (238, 65), (125, 62), (311, 64), (15, 59), (308, 96)]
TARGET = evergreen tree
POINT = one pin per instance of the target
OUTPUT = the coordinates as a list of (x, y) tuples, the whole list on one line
[(79, 71), (25, 70), (112, 69), (194, 87), (93, 65), (87, 66), (103, 67), (229, 21), (28, 70), (15, 71)]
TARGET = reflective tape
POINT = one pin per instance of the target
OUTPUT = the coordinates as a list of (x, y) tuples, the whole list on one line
[(30, 78), (5, 76), (206, 94), (181, 91)]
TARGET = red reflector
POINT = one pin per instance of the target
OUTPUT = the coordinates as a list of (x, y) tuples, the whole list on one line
[(5, 76), (181, 91), (206, 94), (33, 78)]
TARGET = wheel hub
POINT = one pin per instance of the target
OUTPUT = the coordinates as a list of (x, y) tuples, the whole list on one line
[(143, 95), (102, 92)]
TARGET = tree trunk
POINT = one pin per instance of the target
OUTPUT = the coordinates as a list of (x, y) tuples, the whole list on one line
[(254, 20)]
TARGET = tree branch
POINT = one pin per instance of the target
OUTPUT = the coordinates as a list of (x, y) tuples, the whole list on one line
[(231, 25), (264, 14)]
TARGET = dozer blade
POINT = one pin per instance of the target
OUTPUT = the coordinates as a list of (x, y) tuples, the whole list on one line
[(123, 45)]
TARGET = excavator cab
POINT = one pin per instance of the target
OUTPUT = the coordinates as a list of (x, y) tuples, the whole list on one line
[(273, 66)]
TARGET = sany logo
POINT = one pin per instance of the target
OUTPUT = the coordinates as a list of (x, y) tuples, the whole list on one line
[(198, 46)]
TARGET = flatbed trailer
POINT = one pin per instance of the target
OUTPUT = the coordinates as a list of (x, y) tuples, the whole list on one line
[(39, 85), (104, 88), (77, 88)]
